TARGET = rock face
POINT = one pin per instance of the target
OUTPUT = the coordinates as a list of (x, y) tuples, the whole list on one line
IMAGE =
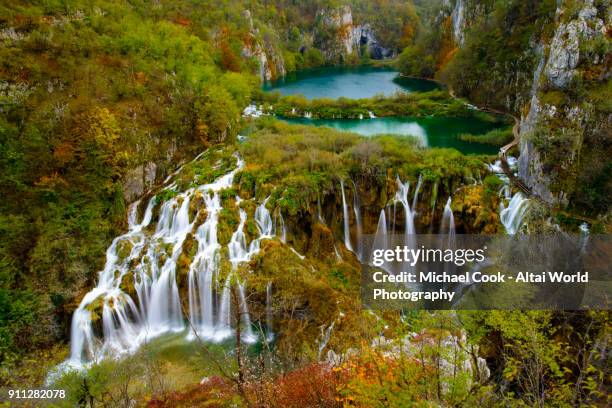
[(565, 46), (339, 37), (265, 50), (458, 20), (138, 180), (570, 121), (462, 14)]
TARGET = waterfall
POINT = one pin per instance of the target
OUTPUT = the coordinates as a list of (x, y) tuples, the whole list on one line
[(447, 227), (448, 219), (319, 212), (345, 213), (283, 227), (381, 239), (325, 336), (512, 217), (401, 196), (270, 335), (357, 210), (394, 213), (127, 317), (264, 220), (247, 334), (416, 193)]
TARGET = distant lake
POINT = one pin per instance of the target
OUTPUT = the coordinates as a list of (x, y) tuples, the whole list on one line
[(353, 83)]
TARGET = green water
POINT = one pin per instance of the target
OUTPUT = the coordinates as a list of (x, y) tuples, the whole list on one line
[(432, 132), (364, 82), (353, 83)]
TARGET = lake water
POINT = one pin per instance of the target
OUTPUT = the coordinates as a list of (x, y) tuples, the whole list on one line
[(431, 132), (364, 82), (353, 83)]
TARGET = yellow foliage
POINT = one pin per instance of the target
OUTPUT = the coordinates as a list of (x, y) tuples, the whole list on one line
[(104, 127)]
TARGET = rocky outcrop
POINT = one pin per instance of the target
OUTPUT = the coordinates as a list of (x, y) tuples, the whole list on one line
[(338, 37), (462, 14), (265, 50), (565, 46), (138, 180), (554, 129), (458, 22)]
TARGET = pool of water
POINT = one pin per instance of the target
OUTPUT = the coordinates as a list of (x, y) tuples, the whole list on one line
[(431, 131), (364, 82), (353, 83)]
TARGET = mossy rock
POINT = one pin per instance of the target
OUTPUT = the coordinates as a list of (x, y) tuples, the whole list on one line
[(128, 285), (196, 204), (321, 243), (95, 308), (124, 248), (229, 220)]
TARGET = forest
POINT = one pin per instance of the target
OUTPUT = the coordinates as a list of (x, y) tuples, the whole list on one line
[(125, 147)]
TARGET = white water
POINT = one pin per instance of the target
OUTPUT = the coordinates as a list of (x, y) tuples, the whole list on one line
[(381, 238), (345, 213), (269, 312), (448, 220), (512, 216), (357, 211), (401, 196), (447, 227), (416, 193), (150, 259)]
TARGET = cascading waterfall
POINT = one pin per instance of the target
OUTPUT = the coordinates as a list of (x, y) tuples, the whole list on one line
[(381, 238), (447, 227), (283, 227), (319, 212), (416, 193), (401, 196), (448, 220), (345, 212), (264, 220), (512, 217), (154, 306), (357, 211)]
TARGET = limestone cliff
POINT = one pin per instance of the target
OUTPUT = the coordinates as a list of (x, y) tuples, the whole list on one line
[(266, 50), (339, 37), (561, 124), (554, 75)]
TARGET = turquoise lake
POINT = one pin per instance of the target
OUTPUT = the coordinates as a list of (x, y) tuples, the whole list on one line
[(366, 82)]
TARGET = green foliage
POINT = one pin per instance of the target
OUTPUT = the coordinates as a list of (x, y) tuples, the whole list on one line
[(418, 104), (415, 61), (88, 91), (495, 137), (313, 58)]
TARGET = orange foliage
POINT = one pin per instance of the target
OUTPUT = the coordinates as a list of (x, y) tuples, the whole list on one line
[(64, 153), (229, 60), (214, 392), (448, 47), (183, 21), (313, 385)]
